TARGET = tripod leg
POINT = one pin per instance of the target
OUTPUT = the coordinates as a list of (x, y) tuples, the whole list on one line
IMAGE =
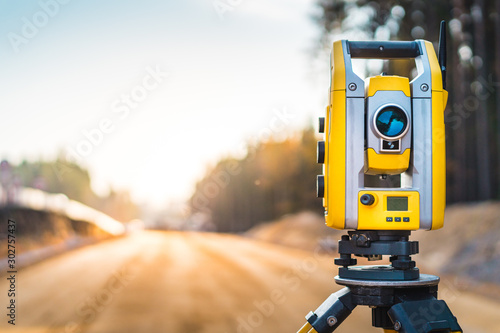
[(427, 315), (307, 328), (329, 315)]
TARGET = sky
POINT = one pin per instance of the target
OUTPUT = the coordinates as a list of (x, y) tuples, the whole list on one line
[(147, 94)]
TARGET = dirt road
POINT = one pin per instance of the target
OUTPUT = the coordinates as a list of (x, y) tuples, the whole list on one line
[(191, 282)]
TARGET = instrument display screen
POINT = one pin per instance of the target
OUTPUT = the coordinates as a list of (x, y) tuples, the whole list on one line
[(399, 204)]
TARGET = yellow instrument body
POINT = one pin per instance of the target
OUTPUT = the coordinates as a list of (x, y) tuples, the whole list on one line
[(348, 161)]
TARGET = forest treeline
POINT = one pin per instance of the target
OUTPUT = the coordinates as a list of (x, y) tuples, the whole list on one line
[(276, 177), (66, 177)]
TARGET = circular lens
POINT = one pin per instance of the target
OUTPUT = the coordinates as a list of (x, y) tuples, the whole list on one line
[(391, 121)]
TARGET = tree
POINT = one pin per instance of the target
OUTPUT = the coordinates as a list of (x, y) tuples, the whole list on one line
[(275, 178)]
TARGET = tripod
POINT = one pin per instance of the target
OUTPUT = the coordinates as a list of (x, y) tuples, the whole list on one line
[(401, 298)]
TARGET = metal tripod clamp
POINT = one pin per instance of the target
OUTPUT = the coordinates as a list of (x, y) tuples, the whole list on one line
[(337, 307)]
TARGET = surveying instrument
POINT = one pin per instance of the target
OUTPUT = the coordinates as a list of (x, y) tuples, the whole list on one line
[(383, 176)]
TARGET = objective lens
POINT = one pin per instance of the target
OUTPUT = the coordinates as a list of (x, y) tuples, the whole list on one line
[(391, 121)]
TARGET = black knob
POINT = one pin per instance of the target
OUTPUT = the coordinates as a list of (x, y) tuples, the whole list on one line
[(321, 124), (367, 199), (320, 186), (320, 152)]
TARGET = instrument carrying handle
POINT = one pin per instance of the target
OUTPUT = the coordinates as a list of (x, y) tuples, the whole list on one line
[(384, 50)]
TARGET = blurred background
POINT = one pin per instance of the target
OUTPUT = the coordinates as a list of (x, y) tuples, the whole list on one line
[(158, 160)]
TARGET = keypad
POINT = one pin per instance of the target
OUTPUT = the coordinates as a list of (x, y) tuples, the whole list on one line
[(397, 219)]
